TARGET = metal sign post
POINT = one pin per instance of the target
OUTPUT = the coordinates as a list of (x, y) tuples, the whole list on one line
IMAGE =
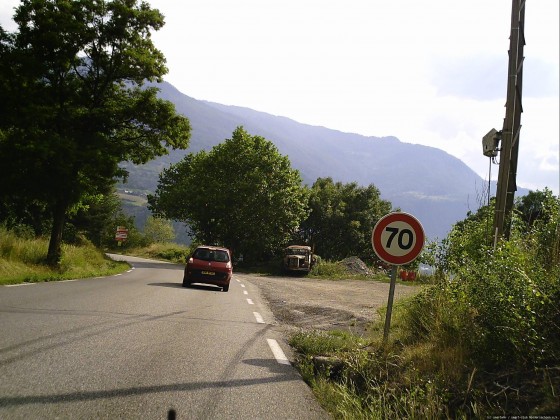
[(390, 303)]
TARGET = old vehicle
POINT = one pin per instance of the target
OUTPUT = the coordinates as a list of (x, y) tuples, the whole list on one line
[(209, 265), (298, 258)]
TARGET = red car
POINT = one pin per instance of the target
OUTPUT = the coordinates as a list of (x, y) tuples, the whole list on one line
[(209, 265)]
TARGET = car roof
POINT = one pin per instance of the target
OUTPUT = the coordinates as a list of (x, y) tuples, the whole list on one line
[(212, 247)]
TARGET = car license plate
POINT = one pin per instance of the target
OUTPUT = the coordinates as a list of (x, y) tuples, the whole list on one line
[(208, 273)]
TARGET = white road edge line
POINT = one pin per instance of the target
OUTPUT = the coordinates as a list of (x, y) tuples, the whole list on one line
[(20, 284), (259, 318), (250, 301), (277, 352)]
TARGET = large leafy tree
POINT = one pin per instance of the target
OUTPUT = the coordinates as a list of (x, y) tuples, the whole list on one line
[(73, 103), (242, 194), (342, 218)]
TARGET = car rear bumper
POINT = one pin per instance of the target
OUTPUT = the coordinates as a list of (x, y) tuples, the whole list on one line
[(196, 276)]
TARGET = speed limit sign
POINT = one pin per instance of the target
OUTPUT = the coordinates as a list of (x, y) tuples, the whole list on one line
[(397, 238)]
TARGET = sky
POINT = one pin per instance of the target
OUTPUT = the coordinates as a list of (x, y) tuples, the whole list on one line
[(427, 72)]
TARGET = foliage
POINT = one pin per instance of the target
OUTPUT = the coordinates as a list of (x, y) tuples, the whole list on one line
[(158, 230), (135, 237), (506, 299), (335, 270), (342, 218), (328, 269), (469, 240), (73, 103), (530, 206), (325, 342), (242, 194), (164, 251), (22, 258), (542, 229), (483, 341), (93, 214), (19, 211)]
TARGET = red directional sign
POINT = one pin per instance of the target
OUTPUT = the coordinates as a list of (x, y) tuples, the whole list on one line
[(121, 234), (398, 238)]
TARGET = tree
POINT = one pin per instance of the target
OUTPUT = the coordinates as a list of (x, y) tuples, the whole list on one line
[(342, 218), (93, 214), (158, 230), (530, 206), (74, 104), (241, 194)]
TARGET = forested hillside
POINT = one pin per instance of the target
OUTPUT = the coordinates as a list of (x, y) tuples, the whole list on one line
[(436, 187)]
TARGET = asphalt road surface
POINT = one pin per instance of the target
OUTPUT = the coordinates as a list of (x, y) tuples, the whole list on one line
[(138, 344)]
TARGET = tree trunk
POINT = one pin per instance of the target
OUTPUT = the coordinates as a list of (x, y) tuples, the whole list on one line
[(54, 253)]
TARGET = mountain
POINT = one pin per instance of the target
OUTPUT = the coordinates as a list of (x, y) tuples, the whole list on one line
[(435, 187)]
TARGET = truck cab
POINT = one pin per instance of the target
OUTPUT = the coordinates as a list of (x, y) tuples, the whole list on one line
[(298, 258)]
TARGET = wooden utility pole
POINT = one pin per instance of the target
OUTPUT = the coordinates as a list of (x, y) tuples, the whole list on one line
[(507, 172)]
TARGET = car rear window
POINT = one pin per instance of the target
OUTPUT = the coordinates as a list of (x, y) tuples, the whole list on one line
[(206, 254)]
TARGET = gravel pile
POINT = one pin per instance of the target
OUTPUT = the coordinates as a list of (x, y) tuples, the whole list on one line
[(354, 265)]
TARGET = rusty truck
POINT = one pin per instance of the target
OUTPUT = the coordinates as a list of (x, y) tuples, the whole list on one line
[(298, 259)]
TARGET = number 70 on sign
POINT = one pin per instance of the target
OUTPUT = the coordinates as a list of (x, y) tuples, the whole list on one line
[(397, 238)]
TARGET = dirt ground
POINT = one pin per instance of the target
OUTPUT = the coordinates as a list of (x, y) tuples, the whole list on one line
[(301, 302)]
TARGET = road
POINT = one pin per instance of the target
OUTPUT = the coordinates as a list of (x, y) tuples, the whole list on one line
[(138, 344)]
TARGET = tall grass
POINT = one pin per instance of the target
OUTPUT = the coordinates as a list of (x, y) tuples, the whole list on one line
[(23, 260)]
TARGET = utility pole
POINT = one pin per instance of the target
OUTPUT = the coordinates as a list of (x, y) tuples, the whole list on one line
[(509, 152)]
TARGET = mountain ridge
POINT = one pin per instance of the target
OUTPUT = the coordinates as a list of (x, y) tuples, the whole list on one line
[(434, 186)]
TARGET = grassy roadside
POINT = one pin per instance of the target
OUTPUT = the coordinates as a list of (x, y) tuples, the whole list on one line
[(22, 261), (433, 365)]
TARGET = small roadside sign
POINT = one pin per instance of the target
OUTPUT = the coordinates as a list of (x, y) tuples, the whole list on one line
[(121, 234), (397, 239)]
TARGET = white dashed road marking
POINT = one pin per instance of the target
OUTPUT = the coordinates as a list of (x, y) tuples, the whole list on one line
[(259, 318), (277, 352), (250, 301)]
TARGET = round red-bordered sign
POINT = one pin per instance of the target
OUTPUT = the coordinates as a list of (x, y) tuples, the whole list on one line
[(397, 238)]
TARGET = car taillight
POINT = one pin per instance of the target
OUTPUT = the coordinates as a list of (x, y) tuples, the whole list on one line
[(228, 265), (190, 260)]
